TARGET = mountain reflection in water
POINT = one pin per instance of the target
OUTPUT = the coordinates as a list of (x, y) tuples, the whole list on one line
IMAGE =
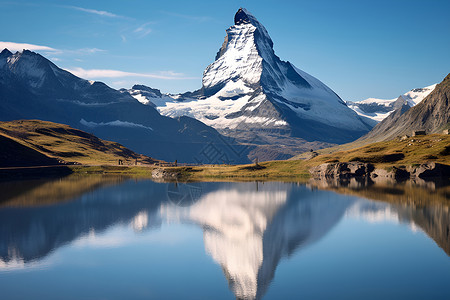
[(247, 227)]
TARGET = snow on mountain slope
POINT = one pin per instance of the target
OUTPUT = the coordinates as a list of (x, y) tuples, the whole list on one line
[(417, 95), (379, 109), (249, 89)]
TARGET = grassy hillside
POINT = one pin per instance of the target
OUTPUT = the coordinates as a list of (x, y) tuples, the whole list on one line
[(416, 150), (413, 150), (14, 154), (50, 141)]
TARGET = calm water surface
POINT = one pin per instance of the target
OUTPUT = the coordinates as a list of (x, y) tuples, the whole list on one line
[(114, 238)]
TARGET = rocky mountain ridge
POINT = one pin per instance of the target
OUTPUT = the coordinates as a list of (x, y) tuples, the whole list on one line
[(431, 115)]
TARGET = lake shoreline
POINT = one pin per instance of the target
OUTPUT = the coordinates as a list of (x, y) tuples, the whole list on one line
[(292, 171)]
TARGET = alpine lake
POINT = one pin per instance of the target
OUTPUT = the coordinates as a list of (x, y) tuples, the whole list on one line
[(108, 237)]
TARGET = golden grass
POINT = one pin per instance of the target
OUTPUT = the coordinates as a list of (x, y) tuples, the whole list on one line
[(416, 150), (63, 142)]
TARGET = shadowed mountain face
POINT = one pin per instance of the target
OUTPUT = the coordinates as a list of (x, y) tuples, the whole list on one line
[(32, 87), (13, 154), (432, 114), (248, 228)]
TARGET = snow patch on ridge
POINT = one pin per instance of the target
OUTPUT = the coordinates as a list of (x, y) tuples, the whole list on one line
[(415, 96)]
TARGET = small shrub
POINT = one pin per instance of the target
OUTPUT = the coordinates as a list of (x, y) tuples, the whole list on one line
[(430, 157), (446, 151)]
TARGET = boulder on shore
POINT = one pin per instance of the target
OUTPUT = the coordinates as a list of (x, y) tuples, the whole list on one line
[(342, 170), (393, 173), (431, 169), (160, 173), (345, 170)]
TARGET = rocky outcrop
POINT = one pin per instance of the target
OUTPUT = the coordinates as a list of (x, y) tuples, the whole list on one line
[(342, 170), (393, 173), (346, 170), (164, 174), (429, 170)]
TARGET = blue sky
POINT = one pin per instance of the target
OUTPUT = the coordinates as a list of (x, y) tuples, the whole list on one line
[(359, 48)]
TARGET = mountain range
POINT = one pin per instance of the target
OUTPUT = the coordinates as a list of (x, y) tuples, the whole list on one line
[(32, 87), (379, 109), (432, 115)]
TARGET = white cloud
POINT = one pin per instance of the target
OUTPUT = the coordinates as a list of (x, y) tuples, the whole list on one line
[(170, 73), (20, 46), (143, 30), (89, 50), (104, 73), (96, 12)]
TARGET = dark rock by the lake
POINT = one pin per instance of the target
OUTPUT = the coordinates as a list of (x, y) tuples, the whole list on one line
[(344, 170), (431, 169)]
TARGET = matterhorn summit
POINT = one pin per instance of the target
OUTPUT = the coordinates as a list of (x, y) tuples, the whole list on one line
[(250, 94)]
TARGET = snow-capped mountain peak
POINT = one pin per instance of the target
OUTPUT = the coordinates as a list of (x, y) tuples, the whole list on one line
[(247, 60), (250, 94), (249, 89), (378, 109)]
